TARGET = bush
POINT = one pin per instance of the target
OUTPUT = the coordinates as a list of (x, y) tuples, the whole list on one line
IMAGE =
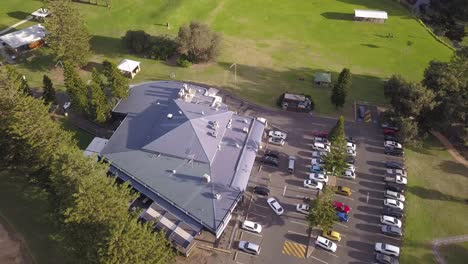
[(162, 47), (198, 42), (137, 41), (183, 62)]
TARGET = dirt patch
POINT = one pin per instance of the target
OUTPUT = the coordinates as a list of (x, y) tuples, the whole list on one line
[(11, 248)]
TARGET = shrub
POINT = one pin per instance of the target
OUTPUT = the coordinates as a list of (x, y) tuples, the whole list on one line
[(137, 41), (162, 47), (183, 62), (198, 42)]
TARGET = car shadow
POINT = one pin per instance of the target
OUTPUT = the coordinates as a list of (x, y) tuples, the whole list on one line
[(373, 229), (379, 164), (377, 171), (359, 245), (371, 201), (372, 185), (369, 210), (370, 219), (372, 194), (375, 150)]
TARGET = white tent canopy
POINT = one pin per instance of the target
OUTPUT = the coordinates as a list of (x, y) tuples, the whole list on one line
[(24, 36), (41, 13), (374, 14), (128, 65)]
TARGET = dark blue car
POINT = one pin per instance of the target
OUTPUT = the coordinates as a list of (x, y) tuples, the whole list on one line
[(342, 217)]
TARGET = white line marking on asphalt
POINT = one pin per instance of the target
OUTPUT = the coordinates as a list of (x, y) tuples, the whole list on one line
[(346, 197), (396, 238), (297, 233), (319, 259), (235, 256), (260, 205), (303, 188), (338, 223), (250, 255), (264, 216), (299, 223), (299, 214)]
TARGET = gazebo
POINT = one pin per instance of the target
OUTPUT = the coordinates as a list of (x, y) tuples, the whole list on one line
[(40, 14), (322, 78), (129, 68), (370, 15)]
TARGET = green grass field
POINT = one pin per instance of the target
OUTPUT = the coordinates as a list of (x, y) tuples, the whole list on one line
[(455, 253), (274, 43), (436, 204)]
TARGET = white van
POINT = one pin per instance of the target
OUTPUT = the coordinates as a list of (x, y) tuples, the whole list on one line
[(292, 160)]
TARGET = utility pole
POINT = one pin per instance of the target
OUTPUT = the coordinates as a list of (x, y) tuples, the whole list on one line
[(235, 72)]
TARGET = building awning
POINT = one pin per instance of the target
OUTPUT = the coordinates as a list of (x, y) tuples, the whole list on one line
[(375, 14), (24, 36), (323, 77), (128, 65)]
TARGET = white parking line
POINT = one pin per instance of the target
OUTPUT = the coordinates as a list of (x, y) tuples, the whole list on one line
[(331, 253), (260, 205), (338, 223), (304, 188), (346, 197), (319, 259), (299, 214), (299, 223), (396, 238), (250, 255), (297, 233), (264, 216)]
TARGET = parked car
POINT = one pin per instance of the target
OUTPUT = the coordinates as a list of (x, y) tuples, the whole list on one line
[(313, 184), (325, 244), (341, 207), (302, 208), (277, 134), (394, 195), (273, 153), (395, 212), (318, 154), (351, 152), (349, 174), (387, 249), (271, 161), (392, 231), (397, 172), (350, 145), (322, 134), (318, 177), (342, 217), (321, 147), (390, 137), (276, 141), (261, 190), (322, 140), (361, 111), (273, 203), (394, 165), (394, 152), (385, 259), (397, 179), (394, 203), (317, 169), (331, 235), (390, 220), (342, 190), (350, 160), (392, 144), (252, 226), (389, 131), (389, 125), (249, 247), (395, 187), (316, 161)]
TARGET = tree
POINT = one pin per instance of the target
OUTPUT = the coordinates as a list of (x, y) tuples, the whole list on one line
[(76, 89), (338, 130), (198, 43), (49, 91), (137, 41), (322, 213), (98, 107), (335, 161), (409, 131), (117, 83), (341, 88), (15, 79), (68, 36)]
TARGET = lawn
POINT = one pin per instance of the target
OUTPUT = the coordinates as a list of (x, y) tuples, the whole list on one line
[(273, 43), (82, 137), (455, 253), (26, 208), (436, 205)]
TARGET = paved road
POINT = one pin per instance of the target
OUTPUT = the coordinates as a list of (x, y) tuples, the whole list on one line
[(446, 241), (15, 25)]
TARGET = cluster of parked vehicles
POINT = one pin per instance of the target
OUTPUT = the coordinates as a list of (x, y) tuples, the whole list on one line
[(391, 143)]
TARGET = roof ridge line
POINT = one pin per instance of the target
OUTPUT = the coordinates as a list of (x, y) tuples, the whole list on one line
[(198, 139)]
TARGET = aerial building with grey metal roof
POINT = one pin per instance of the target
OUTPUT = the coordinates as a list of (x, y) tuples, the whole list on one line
[(180, 146)]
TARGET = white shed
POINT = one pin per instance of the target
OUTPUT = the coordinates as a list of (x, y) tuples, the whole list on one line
[(370, 15), (129, 67)]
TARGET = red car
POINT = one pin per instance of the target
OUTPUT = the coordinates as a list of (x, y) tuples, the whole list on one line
[(321, 134), (341, 207), (388, 131)]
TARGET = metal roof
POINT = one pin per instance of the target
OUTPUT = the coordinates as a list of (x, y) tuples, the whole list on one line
[(24, 36), (96, 146), (128, 65), (324, 77), (169, 157), (370, 14)]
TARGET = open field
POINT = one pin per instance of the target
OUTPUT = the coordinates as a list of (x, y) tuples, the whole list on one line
[(273, 43), (437, 204)]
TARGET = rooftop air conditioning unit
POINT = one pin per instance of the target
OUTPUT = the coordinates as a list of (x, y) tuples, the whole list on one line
[(169, 116), (245, 129), (207, 177), (217, 196)]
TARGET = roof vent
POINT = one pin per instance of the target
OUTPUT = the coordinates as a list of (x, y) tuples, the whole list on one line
[(237, 145), (229, 124), (219, 146), (246, 121), (245, 129), (207, 177), (157, 103), (217, 196), (180, 112), (202, 112), (215, 124), (174, 171), (214, 133), (186, 87), (169, 116)]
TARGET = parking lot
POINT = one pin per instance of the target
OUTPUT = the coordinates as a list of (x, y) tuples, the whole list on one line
[(285, 238)]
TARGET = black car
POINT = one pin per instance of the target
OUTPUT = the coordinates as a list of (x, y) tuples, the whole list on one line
[(350, 160), (271, 161), (385, 259), (394, 165), (273, 153), (391, 138), (389, 126), (261, 190), (395, 212), (391, 231), (395, 187), (393, 151)]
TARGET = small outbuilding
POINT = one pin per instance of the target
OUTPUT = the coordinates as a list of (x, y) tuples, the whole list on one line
[(40, 14), (370, 15), (322, 78), (24, 39), (129, 68)]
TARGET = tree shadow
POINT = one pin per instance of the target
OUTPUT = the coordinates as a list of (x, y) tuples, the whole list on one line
[(338, 16), (425, 193), (453, 167), (93, 65), (20, 15), (371, 46), (301, 239)]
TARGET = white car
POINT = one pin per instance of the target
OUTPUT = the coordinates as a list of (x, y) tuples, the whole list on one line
[(397, 179), (351, 167), (318, 177), (252, 226), (277, 134), (321, 147), (349, 174), (322, 140), (397, 172), (318, 154), (249, 247), (313, 184), (390, 220), (325, 244), (276, 141), (302, 208), (350, 145), (394, 195), (275, 206), (387, 249), (394, 203), (316, 161), (392, 144), (351, 152)]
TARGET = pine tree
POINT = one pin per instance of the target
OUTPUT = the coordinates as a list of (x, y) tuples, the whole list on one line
[(321, 213), (15, 79), (117, 83), (338, 130), (335, 161), (68, 36), (76, 89), (341, 88), (98, 107), (49, 90)]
